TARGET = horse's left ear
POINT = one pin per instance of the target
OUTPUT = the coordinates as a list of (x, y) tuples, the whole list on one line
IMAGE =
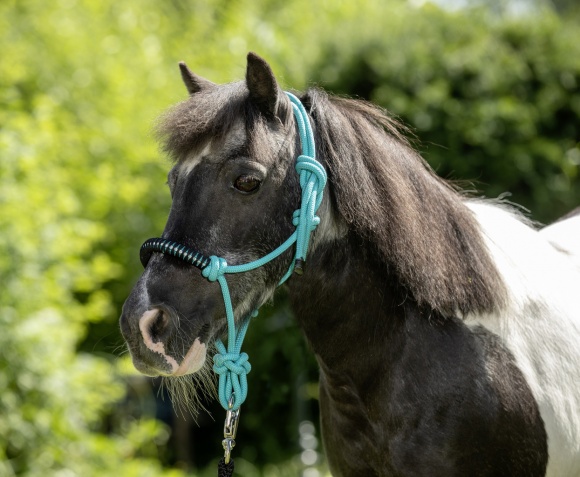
[(261, 82), (193, 82)]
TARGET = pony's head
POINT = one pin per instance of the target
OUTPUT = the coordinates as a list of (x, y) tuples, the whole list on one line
[(233, 192), (235, 189)]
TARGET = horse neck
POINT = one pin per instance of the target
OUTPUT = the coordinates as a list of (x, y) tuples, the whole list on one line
[(396, 243), (349, 308), (416, 223), (364, 289)]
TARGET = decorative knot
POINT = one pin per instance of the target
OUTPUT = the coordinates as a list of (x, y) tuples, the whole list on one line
[(232, 369), (312, 181), (309, 164), (215, 269), (312, 222), (235, 363)]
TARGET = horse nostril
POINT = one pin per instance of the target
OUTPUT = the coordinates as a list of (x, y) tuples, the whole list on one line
[(159, 325), (155, 326)]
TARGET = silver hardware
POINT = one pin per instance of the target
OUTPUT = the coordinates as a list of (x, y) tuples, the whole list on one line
[(228, 445), (230, 430), (231, 424)]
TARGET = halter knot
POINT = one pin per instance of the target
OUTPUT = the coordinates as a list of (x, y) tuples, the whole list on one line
[(215, 269), (309, 164), (235, 363), (312, 181), (232, 369), (312, 221)]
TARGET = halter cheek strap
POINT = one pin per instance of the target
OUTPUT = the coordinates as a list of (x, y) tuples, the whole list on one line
[(230, 363)]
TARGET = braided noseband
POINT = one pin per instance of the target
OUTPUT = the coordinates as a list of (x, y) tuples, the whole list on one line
[(231, 364)]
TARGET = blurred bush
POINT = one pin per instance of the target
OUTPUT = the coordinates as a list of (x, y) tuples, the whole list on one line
[(69, 187), (494, 100), (491, 98)]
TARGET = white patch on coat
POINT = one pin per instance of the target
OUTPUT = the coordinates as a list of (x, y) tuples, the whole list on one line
[(540, 325), (565, 236)]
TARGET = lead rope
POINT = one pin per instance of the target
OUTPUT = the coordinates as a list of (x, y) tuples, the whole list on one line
[(230, 363)]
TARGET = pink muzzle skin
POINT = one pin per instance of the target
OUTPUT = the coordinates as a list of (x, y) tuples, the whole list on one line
[(192, 361)]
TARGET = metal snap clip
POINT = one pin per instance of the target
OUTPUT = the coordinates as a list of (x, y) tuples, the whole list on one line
[(230, 430)]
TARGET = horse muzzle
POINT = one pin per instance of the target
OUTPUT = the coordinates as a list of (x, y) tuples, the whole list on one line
[(153, 341)]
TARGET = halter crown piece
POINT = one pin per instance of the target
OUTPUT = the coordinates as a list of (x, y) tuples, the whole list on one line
[(231, 364)]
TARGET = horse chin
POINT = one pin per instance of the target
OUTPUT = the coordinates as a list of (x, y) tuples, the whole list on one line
[(193, 361)]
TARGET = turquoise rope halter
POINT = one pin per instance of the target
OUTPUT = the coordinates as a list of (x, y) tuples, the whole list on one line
[(231, 364)]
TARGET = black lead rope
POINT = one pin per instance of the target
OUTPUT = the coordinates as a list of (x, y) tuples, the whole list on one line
[(225, 470)]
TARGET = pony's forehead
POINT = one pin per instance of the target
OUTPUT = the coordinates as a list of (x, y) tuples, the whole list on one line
[(215, 123), (216, 149), (205, 117)]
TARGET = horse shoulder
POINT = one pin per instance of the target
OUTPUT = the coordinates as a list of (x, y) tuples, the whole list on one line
[(539, 324), (453, 402)]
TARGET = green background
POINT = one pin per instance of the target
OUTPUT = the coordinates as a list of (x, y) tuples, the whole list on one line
[(492, 95)]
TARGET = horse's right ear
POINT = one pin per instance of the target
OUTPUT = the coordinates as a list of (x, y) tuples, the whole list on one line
[(193, 82), (262, 84)]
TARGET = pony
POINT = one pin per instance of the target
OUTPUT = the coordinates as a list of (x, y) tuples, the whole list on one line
[(446, 328)]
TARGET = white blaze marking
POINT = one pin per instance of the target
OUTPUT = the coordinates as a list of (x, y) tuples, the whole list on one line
[(236, 137), (190, 163)]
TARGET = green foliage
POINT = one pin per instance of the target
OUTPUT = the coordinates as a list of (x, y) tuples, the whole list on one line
[(58, 191), (493, 101), (81, 83), (53, 400)]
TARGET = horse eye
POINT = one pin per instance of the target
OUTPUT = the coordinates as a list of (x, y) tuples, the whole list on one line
[(247, 184)]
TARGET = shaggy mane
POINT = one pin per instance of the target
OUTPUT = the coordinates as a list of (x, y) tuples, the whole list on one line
[(388, 194)]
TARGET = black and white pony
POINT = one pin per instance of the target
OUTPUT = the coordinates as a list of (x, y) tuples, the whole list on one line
[(447, 329)]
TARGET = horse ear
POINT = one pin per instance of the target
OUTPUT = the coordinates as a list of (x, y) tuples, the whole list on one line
[(261, 82), (193, 82)]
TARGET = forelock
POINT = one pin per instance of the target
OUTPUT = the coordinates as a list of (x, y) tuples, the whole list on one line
[(204, 117), (210, 116)]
